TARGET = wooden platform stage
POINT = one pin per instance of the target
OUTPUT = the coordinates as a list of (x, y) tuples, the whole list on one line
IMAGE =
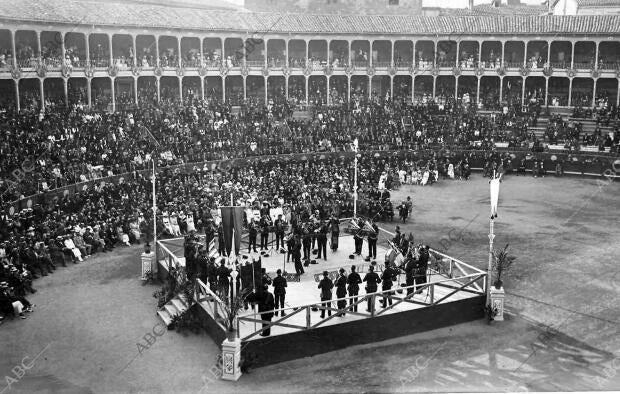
[(454, 293)]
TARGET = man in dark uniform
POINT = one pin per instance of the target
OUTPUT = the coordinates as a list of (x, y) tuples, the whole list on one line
[(322, 241), (307, 243), (358, 238), (372, 280), (403, 211), (409, 272), (353, 286), (326, 285), (387, 279), (223, 283), (265, 222), (372, 241), (266, 304), (334, 225), (341, 291), (252, 233), (212, 274), (279, 230), (202, 266), (421, 267), (299, 268), (209, 232), (279, 291)]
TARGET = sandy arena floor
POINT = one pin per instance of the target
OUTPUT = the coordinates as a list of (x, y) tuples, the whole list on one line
[(561, 333)]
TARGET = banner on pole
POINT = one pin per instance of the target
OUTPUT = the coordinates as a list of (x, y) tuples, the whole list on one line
[(232, 219)]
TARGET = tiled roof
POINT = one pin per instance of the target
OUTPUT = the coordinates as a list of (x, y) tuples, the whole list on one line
[(489, 10), (598, 3), (88, 12)]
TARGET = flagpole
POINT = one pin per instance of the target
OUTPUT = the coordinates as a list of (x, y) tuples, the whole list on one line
[(355, 142), (154, 212), (491, 237)]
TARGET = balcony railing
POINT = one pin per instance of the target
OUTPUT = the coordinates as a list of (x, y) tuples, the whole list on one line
[(382, 63), (255, 63)]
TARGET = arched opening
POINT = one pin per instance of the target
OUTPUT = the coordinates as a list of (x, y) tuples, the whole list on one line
[(145, 52), (190, 53), (403, 54)]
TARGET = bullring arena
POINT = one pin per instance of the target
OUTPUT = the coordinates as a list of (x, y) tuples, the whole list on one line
[(390, 103)]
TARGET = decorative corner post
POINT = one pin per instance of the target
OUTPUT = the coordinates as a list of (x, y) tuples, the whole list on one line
[(231, 347), (148, 264), (231, 355), (497, 303)]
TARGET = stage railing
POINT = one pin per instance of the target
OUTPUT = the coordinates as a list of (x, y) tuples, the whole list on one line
[(211, 303), (167, 259), (466, 283)]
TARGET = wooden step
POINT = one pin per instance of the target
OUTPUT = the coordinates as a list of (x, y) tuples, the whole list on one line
[(171, 309), (179, 305), (165, 317)]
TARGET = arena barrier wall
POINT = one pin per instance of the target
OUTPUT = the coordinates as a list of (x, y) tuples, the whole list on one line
[(574, 164)]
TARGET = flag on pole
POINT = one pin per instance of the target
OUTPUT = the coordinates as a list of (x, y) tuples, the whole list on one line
[(494, 187), (212, 249)]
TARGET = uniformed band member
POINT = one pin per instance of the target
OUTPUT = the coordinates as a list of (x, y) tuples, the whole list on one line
[(334, 225), (387, 278), (409, 272), (322, 241), (265, 223), (299, 268), (326, 285), (358, 238), (306, 241), (341, 291), (353, 286), (252, 233), (279, 230), (372, 241), (372, 280), (279, 291)]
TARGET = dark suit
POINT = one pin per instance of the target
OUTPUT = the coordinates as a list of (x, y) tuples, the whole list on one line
[(353, 282), (252, 233), (279, 292), (341, 291), (267, 303), (387, 278), (372, 280), (326, 285)]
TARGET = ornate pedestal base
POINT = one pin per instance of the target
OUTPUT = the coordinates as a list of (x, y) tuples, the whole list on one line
[(148, 264), (497, 302), (231, 355)]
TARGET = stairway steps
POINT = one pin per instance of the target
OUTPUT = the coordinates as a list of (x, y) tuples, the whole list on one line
[(165, 317), (171, 309), (179, 305)]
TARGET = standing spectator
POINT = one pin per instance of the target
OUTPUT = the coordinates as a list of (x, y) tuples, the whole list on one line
[(353, 286), (279, 291), (341, 291), (326, 285)]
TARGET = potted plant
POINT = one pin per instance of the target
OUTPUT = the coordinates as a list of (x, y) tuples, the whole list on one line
[(231, 308), (502, 262)]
